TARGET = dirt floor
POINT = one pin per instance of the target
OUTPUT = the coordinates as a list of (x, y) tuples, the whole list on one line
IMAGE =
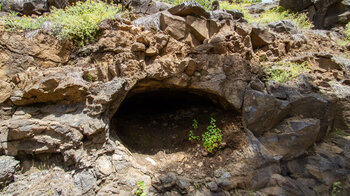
[(155, 127)]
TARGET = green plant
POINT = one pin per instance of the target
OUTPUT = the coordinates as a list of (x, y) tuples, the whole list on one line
[(78, 22), (197, 185), (191, 136), (13, 22), (347, 31), (339, 132), (286, 71), (212, 137), (336, 188), (90, 78), (263, 58), (346, 41), (140, 191), (280, 13)]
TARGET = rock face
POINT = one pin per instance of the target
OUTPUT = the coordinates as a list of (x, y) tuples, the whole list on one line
[(147, 6), (284, 26), (292, 137), (29, 7), (8, 167), (295, 5), (58, 102), (323, 13), (25, 7), (189, 8), (261, 36)]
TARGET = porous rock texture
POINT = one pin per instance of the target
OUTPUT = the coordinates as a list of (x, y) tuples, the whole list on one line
[(59, 102)]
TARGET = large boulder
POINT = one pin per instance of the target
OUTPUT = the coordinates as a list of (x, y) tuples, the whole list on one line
[(323, 13), (175, 26), (322, 7), (147, 6), (50, 86), (262, 112), (189, 8), (337, 13), (322, 168), (236, 14), (149, 22), (283, 185), (26, 7), (220, 15), (295, 5), (85, 181), (261, 36), (258, 8), (8, 167), (198, 27), (284, 26), (292, 137)]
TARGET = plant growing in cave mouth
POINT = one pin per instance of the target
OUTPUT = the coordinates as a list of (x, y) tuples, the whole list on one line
[(140, 191), (212, 137), (191, 136)]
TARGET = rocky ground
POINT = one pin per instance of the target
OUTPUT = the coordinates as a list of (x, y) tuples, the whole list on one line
[(69, 125)]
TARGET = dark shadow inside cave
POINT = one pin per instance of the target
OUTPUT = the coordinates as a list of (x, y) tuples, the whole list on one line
[(160, 120)]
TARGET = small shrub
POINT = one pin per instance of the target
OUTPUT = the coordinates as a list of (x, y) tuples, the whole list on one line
[(212, 137), (191, 136), (346, 41), (336, 188), (347, 31), (263, 58), (14, 22), (285, 71), (78, 22), (140, 191)]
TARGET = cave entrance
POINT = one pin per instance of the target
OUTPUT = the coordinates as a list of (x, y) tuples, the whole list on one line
[(159, 120)]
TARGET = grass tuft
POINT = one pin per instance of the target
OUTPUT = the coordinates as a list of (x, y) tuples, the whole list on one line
[(273, 15), (78, 22), (238, 6), (347, 31), (13, 22), (279, 13), (285, 71), (339, 132)]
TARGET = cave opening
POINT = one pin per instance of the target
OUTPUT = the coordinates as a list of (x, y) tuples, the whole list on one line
[(160, 119)]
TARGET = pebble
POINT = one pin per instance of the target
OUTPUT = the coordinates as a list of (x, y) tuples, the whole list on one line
[(151, 161)]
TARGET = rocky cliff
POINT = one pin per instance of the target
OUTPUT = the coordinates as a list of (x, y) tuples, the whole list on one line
[(59, 102)]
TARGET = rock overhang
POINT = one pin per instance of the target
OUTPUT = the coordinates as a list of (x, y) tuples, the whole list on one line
[(57, 117)]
